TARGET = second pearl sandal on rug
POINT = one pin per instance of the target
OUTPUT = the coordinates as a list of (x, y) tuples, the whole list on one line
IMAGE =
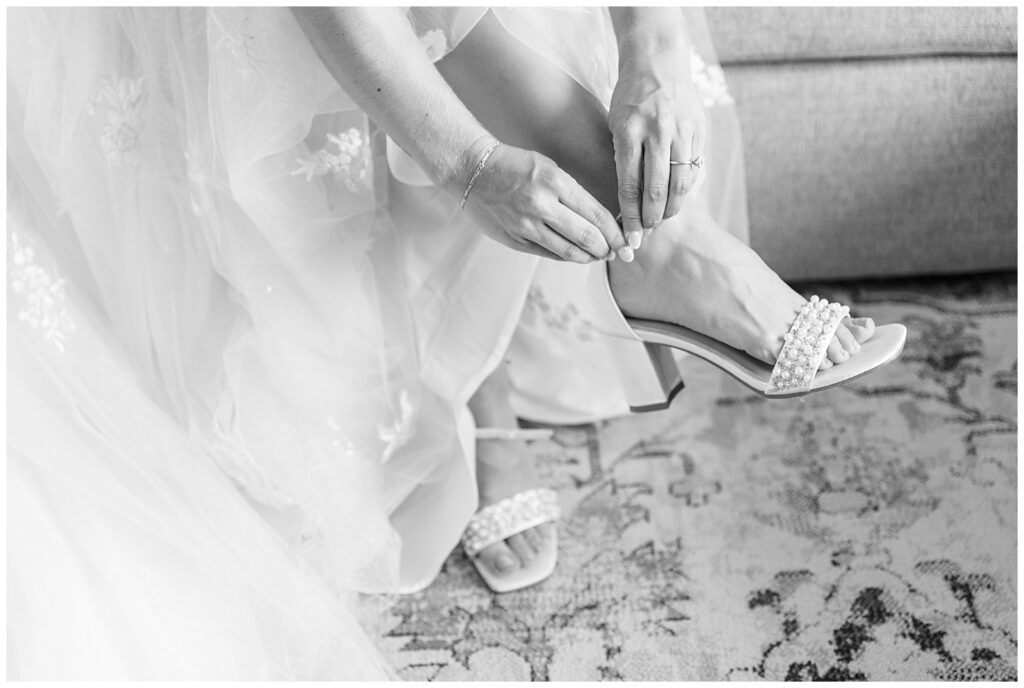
[(516, 514), (795, 372)]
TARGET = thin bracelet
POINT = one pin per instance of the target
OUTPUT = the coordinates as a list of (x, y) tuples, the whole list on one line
[(477, 171)]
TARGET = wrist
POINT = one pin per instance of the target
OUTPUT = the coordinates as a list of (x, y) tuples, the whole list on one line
[(646, 36), (456, 178), (647, 55)]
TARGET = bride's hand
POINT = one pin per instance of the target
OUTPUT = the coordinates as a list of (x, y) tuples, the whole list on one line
[(530, 204), (655, 116)]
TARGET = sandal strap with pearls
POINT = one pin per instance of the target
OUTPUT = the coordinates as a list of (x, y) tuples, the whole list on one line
[(805, 346), (515, 514)]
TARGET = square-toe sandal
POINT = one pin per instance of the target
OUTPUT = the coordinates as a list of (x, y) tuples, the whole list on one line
[(516, 514), (795, 372)]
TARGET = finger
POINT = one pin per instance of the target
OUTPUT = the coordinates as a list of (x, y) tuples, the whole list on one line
[(575, 198), (550, 239), (524, 246), (656, 177), (578, 231), (682, 176), (629, 170)]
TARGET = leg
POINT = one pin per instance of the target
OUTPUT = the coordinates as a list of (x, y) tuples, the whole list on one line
[(690, 271), (504, 467)]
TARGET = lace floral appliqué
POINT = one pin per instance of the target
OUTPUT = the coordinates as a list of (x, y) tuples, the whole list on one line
[(349, 165), (41, 295), (566, 321), (710, 81), (122, 99), (435, 44), (233, 34)]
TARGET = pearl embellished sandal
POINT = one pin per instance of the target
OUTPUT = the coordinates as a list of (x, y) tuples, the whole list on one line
[(795, 372), (515, 514)]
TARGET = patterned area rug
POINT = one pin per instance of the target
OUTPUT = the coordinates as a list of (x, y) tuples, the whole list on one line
[(867, 532)]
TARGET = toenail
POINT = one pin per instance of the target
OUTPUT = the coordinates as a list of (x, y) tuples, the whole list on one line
[(504, 562)]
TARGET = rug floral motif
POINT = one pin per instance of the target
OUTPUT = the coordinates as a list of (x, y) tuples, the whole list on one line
[(867, 532)]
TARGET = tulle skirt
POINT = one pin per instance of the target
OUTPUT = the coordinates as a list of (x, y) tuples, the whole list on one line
[(237, 384)]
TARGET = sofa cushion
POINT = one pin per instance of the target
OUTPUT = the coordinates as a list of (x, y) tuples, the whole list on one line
[(880, 167), (769, 34)]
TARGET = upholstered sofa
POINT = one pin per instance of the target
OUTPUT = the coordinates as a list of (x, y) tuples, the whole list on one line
[(878, 141)]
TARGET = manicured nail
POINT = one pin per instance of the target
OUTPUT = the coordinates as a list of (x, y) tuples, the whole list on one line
[(503, 563), (611, 255), (634, 239), (626, 254), (855, 347)]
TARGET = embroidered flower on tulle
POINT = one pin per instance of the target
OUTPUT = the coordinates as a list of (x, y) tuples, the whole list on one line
[(399, 432), (710, 81), (349, 165), (566, 321), (435, 43), (230, 28), (42, 295), (122, 100)]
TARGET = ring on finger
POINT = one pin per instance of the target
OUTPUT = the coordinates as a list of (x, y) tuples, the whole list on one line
[(696, 162)]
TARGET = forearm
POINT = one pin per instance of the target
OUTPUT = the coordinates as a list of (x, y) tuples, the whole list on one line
[(376, 57), (646, 35)]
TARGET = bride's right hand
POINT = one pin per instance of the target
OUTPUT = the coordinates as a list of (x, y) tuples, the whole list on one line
[(529, 204)]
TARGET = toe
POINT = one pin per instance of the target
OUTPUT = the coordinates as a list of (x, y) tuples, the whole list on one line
[(534, 539), (521, 547), (847, 340), (499, 558), (836, 352), (547, 531), (862, 329)]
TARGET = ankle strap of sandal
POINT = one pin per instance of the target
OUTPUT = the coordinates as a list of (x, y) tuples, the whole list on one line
[(513, 434), (805, 346)]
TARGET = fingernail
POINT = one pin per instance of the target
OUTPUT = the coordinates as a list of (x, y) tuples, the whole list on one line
[(503, 563), (611, 255), (855, 347), (626, 254), (634, 239)]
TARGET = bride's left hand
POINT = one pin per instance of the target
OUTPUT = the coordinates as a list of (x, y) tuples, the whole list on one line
[(655, 116)]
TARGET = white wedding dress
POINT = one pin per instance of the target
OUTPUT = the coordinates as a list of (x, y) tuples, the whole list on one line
[(237, 383)]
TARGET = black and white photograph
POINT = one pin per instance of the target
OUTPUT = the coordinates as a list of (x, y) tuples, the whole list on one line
[(525, 343)]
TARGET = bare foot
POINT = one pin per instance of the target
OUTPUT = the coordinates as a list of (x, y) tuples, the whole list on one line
[(504, 468), (693, 273)]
